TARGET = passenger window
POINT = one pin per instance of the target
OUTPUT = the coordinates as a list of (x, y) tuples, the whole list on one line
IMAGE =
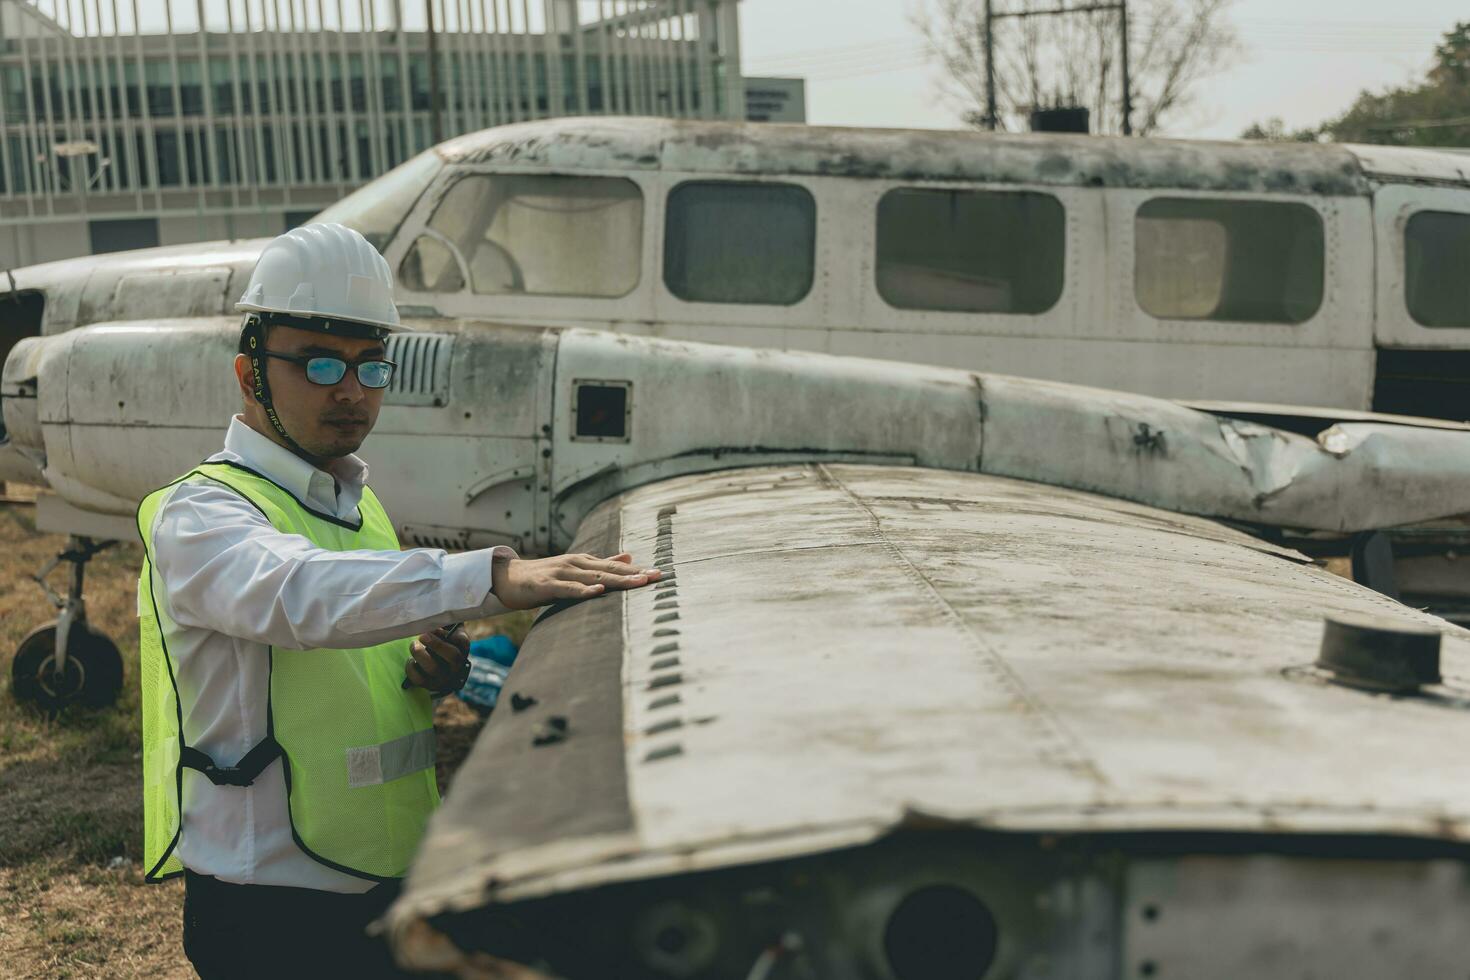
[(971, 251), (1255, 261), (1437, 268), (542, 236), (740, 242), (429, 267)]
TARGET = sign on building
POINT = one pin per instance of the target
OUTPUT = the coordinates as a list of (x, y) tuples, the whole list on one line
[(775, 100)]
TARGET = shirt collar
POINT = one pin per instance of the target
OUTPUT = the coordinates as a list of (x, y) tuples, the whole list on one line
[(294, 474)]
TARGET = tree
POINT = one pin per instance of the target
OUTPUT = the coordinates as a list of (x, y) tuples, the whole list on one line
[(1436, 112), (1274, 130), (1074, 58)]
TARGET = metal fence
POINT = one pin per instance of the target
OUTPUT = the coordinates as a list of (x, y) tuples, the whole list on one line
[(233, 100)]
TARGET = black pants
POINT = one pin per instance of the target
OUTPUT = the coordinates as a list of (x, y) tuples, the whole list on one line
[(276, 933)]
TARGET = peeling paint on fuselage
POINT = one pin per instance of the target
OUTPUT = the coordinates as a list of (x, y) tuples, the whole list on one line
[(86, 290), (892, 154)]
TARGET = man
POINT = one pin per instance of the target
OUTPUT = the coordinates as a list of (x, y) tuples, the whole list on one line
[(288, 731)]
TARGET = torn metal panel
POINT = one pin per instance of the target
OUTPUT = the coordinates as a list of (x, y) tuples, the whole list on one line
[(856, 645), (1352, 476), (1310, 421)]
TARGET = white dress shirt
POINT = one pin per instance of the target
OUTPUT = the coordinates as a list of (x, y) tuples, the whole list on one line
[(236, 586)]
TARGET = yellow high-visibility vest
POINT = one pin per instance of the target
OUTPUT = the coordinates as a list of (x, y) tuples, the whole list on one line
[(356, 750)]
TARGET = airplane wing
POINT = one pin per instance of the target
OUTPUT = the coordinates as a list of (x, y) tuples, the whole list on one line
[(860, 684)]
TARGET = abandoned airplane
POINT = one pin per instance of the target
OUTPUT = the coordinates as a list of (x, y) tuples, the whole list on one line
[(951, 674), (1316, 275)]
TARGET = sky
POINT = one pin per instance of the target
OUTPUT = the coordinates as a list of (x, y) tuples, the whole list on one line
[(1303, 60)]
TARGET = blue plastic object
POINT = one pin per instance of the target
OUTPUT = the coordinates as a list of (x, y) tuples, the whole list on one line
[(490, 662), (498, 648)]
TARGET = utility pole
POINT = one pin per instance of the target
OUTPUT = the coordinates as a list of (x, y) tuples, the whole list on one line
[(1118, 6), (436, 127), (992, 117), (1127, 81)]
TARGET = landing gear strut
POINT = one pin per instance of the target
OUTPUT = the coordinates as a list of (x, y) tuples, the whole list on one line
[(67, 661)]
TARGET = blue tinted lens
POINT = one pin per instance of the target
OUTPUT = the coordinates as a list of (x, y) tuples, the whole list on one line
[(325, 370), (374, 374)]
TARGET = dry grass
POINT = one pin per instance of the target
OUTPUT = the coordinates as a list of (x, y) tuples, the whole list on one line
[(72, 900)]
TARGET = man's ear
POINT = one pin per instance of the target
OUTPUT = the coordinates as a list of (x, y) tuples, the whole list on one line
[(245, 378)]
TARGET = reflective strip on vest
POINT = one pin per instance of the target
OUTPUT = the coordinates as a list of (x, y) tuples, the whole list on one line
[(358, 750), (370, 765)]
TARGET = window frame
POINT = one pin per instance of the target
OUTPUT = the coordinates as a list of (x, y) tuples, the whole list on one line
[(464, 261), (1340, 326), (1393, 205), (1216, 197), (992, 191), (1083, 278), (1404, 264), (531, 307), (735, 180)]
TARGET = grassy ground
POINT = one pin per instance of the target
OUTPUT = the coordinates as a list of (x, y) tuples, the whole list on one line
[(72, 900)]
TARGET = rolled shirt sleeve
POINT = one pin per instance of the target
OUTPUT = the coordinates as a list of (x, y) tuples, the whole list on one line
[(224, 567)]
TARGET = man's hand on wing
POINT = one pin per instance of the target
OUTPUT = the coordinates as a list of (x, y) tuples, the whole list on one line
[(439, 660), (527, 583)]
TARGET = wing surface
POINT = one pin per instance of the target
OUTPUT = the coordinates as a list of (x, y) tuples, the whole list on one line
[(843, 650)]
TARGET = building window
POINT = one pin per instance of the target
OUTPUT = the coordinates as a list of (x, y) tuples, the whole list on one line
[(1253, 261), (1437, 268), (121, 234), (971, 251), (540, 236), (740, 242)]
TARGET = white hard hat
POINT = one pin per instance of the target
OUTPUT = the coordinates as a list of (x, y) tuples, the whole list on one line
[(324, 271)]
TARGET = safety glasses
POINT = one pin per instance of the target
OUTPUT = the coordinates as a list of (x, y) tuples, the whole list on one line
[(330, 370)]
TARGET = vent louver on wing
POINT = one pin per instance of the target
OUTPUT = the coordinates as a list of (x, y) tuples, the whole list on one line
[(422, 377)]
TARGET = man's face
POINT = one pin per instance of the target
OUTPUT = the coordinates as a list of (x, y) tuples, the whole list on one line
[(327, 421)]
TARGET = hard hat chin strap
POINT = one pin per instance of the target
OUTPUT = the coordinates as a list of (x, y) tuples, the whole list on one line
[(252, 345)]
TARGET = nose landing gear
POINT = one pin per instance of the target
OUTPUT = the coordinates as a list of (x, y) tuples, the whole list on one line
[(67, 661)]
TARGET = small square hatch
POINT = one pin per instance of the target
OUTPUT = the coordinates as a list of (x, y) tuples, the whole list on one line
[(602, 411)]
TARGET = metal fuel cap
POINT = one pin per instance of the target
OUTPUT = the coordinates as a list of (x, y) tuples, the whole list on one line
[(1380, 655)]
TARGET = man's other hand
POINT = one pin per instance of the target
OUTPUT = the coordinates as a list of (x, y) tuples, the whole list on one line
[(439, 659), (526, 583)]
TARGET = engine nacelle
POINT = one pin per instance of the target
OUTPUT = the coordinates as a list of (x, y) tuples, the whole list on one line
[(498, 434)]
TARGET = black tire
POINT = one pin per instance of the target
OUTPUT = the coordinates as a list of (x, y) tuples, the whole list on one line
[(92, 678)]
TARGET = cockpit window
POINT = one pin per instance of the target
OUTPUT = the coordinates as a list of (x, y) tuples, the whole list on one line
[(430, 267), (377, 209), (533, 235)]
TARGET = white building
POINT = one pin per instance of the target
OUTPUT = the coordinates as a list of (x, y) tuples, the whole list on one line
[(113, 139)]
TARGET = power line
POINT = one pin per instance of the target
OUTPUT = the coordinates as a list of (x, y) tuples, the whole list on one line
[(1275, 34), (819, 56), (1421, 124), (1265, 35)]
